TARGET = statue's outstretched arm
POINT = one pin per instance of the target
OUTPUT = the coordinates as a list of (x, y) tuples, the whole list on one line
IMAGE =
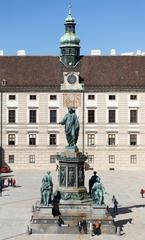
[(63, 121)]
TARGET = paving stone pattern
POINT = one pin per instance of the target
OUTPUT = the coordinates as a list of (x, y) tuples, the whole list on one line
[(16, 204)]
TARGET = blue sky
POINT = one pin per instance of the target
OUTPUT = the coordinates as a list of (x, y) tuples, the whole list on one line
[(37, 25)]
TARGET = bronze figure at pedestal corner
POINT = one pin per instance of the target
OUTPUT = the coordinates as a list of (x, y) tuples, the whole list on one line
[(46, 189)]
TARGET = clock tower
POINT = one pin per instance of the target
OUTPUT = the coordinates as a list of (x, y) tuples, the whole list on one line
[(69, 43)]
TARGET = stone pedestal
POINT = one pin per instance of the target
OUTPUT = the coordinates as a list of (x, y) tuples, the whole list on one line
[(44, 222), (75, 203), (71, 175)]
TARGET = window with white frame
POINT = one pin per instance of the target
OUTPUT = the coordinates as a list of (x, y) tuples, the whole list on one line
[(52, 139), (90, 158), (32, 97), (133, 139), (133, 97), (53, 116), (31, 158), (133, 116), (11, 139), (11, 158), (32, 116), (111, 139), (52, 158), (91, 139), (32, 139), (91, 97), (53, 97), (11, 116), (133, 159), (91, 116), (111, 116), (111, 159), (12, 97), (112, 97)]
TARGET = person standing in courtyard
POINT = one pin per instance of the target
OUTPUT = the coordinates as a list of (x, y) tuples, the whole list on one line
[(14, 182), (80, 226), (92, 180), (115, 202)]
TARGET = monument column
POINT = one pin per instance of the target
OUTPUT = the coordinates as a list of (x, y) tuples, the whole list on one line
[(71, 161)]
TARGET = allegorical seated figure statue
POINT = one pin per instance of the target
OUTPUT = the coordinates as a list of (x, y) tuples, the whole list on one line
[(46, 189), (97, 192), (72, 127)]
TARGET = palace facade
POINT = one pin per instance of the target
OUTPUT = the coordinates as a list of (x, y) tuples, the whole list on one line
[(107, 92)]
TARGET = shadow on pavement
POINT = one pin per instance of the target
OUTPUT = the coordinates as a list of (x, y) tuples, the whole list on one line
[(124, 210)]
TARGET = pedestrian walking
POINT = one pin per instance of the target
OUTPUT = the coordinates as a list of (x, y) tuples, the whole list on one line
[(115, 206), (115, 202), (57, 167), (142, 192), (113, 199)]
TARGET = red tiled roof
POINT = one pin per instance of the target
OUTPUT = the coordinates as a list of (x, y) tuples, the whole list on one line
[(101, 71)]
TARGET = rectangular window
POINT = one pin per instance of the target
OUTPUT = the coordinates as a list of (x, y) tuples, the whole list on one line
[(11, 139), (52, 158), (133, 159), (32, 139), (133, 97), (111, 158), (133, 116), (12, 116), (91, 139), (133, 139), (52, 139), (53, 116), (33, 97), (12, 97), (91, 97), (32, 116), (11, 158), (112, 97), (91, 116), (53, 97), (31, 158), (111, 139), (112, 116), (90, 159)]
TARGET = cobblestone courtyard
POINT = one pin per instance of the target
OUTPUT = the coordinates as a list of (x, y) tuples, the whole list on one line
[(16, 204)]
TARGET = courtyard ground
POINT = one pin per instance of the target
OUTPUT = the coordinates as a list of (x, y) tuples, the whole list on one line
[(16, 204)]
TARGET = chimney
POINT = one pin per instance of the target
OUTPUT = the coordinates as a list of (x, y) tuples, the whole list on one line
[(113, 52), (21, 53), (96, 52), (138, 52), (1, 52)]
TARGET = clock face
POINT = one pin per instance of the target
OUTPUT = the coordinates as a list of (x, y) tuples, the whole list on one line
[(72, 79)]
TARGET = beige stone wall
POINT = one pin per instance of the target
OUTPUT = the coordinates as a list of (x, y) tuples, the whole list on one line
[(101, 150)]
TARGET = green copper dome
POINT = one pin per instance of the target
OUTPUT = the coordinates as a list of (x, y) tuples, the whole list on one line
[(69, 38), (69, 18), (69, 43)]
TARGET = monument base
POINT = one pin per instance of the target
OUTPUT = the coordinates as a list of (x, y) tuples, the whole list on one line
[(71, 213)]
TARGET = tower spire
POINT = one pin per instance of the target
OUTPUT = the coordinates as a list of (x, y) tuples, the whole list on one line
[(69, 7), (70, 42)]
